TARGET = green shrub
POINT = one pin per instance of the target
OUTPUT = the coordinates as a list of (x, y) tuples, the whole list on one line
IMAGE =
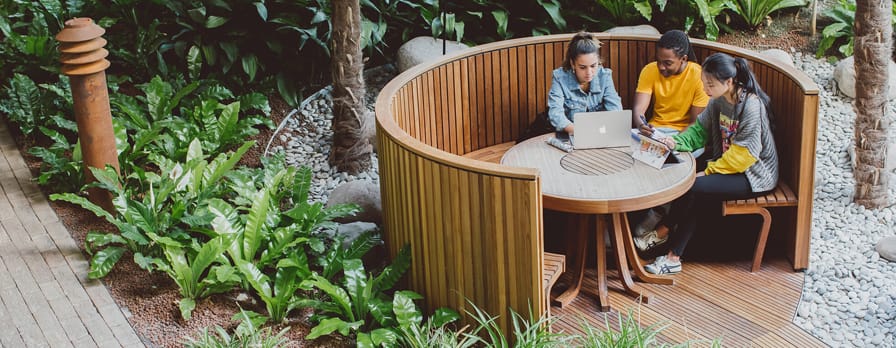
[(247, 334), (754, 12), (843, 14)]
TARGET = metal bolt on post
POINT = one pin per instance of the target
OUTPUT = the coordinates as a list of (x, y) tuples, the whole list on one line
[(84, 62)]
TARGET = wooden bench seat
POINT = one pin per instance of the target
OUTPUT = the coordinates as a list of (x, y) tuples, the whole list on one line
[(782, 196), (492, 153), (554, 266)]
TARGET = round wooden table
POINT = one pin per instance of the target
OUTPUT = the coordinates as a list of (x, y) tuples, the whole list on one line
[(602, 182)]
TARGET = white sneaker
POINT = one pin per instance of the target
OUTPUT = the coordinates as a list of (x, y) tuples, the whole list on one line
[(649, 240), (662, 265)]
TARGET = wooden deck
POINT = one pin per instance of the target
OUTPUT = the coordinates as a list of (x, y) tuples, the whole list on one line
[(710, 300)]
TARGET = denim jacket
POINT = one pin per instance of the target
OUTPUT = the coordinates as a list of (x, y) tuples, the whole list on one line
[(566, 98)]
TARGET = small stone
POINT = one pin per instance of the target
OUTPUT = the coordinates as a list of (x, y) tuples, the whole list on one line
[(886, 247)]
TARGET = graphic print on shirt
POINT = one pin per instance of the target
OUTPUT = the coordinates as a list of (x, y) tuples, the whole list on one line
[(728, 128)]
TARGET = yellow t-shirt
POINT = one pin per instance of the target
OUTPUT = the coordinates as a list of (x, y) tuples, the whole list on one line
[(673, 96)]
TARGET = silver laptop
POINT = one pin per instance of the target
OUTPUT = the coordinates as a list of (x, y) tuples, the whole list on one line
[(601, 129)]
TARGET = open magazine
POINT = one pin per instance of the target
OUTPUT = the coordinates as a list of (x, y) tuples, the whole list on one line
[(651, 151)]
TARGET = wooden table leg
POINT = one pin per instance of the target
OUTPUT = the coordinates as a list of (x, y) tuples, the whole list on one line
[(634, 260), (620, 225), (576, 246), (602, 298)]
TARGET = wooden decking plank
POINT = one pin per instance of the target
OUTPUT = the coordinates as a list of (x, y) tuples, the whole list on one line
[(710, 300)]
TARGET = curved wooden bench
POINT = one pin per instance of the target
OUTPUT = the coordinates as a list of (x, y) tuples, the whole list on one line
[(475, 227)]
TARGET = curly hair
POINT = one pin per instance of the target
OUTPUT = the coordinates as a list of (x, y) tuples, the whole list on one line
[(678, 42)]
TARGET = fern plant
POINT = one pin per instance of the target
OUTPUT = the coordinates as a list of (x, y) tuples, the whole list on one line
[(152, 203), (754, 12), (843, 14), (358, 303)]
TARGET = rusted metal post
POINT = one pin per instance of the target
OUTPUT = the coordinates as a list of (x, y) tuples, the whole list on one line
[(84, 61)]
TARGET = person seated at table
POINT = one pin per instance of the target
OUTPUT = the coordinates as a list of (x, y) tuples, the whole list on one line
[(581, 84), (674, 84), (735, 130)]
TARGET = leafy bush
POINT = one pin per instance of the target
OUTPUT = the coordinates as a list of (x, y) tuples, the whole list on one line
[(32, 105), (359, 302), (161, 204), (754, 12), (531, 332), (843, 14), (61, 162), (170, 115), (247, 334)]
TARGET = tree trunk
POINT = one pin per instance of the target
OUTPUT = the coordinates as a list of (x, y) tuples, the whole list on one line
[(351, 149), (872, 54)]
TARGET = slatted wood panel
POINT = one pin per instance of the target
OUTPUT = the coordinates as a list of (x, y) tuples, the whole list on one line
[(709, 301), (474, 248), (475, 227), (782, 196)]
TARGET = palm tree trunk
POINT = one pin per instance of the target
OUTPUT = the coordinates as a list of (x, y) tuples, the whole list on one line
[(351, 149), (872, 52)]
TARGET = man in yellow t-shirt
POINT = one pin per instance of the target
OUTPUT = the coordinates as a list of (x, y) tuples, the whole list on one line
[(674, 84)]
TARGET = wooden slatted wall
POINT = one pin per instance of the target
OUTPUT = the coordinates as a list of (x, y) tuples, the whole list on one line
[(475, 228)]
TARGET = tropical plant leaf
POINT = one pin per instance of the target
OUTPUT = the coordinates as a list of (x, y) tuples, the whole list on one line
[(186, 306), (444, 316), (103, 261), (329, 325), (392, 273), (406, 312)]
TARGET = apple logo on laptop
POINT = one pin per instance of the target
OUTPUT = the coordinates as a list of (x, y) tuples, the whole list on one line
[(602, 129)]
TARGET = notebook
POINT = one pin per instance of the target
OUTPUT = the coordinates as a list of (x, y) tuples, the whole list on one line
[(601, 129)]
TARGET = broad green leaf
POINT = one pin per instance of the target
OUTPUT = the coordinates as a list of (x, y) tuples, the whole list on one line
[(645, 9), (231, 161), (186, 306), (406, 312), (97, 239), (194, 62), (262, 10), (500, 17), (209, 252), (355, 277), (329, 325), (834, 29), (103, 261), (390, 275), (83, 203), (444, 316), (383, 338), (250, 66), (337, 294), (259, 281), (552, 7), (215, 21), (227, 122), (194, 151)]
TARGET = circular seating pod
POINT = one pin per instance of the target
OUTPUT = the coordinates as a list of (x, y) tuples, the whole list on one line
[(474, 227)]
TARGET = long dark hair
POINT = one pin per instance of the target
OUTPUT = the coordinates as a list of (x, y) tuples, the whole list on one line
[(679, 43), (581, 43), (722, 66)]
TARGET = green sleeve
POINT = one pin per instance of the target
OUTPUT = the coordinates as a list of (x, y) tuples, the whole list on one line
[(694, 137)]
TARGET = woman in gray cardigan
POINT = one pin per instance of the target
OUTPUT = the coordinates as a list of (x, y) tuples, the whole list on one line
[(735, 129)]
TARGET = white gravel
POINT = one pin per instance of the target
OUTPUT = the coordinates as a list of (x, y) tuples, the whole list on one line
[(849, 294)]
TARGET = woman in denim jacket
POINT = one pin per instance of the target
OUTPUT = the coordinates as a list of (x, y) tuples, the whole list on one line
[(581, 84)]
